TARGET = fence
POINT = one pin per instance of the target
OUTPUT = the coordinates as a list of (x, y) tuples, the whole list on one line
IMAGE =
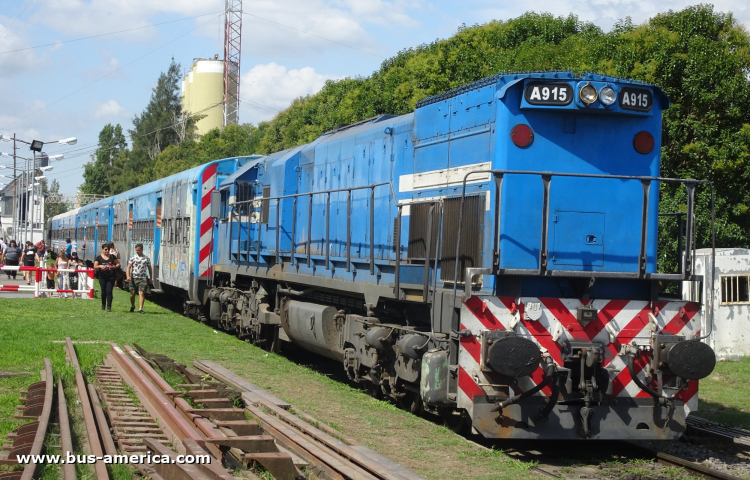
[(39, 287)]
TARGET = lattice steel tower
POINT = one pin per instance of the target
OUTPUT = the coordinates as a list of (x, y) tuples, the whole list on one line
[(232, 47)]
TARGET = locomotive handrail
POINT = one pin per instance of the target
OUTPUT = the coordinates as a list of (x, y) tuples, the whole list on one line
[(308, 243), (645, 181)]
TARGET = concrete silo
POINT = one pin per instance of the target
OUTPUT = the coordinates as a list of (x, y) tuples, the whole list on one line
[(203, 93)]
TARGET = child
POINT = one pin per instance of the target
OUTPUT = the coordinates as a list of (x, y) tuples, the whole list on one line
[(51, 276)]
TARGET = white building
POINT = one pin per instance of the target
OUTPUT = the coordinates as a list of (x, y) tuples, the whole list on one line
[(24, 227), (730, 336)]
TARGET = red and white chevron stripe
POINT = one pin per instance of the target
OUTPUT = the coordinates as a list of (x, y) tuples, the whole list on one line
[(620, 320), (206, 222)]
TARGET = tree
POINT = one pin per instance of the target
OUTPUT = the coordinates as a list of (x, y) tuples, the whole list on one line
[(160, 125), (98, 175)]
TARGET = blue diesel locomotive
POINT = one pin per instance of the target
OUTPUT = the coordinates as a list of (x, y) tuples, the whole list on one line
[(490, 258)]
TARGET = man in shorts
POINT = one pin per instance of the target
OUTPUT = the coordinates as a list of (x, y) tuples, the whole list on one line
[(139, 266)]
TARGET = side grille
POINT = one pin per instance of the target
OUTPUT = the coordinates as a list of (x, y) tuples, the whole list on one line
[(418, 220), (265, 205), (471, 236)]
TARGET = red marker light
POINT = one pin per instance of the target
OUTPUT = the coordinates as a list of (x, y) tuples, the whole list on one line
[(522, 135), (643, 142)]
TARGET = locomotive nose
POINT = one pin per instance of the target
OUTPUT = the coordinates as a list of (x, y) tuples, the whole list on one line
[(690, 359)]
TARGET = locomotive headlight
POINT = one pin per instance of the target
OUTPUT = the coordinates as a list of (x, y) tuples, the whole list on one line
[(608, 95), (588, 94)]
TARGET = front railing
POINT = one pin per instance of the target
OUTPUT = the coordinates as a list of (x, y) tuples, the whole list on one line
[(546, 177)]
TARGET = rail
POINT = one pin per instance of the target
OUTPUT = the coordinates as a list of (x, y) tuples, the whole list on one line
[(88, 414)]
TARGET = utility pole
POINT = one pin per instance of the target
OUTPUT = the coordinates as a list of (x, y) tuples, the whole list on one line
[(15, 192)]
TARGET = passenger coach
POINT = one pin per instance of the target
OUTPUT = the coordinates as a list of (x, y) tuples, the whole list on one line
[(168, 216)]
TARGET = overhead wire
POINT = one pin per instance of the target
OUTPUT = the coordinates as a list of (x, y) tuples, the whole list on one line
[(68, 172), (14, 20), (104, 34), (104, 76)]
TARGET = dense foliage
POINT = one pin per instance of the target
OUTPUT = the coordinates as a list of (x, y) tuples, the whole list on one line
[(701, 58)]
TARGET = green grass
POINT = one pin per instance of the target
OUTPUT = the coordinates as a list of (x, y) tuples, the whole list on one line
[(725, 394), (28, 328)]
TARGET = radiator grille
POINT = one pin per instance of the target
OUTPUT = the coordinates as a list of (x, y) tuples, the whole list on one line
[(471, 236), (418, 219)]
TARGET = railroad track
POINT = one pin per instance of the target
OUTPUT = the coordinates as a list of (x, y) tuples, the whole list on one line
[(37, 404), (214, 413), (703, 427), (695, 469)]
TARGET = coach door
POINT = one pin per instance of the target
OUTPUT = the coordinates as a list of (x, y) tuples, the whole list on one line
[(130, 249)]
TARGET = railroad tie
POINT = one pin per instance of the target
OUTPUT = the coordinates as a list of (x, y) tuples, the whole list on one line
[(131, 423)]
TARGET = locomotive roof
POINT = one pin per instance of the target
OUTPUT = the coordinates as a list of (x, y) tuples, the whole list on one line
[(508, 79)]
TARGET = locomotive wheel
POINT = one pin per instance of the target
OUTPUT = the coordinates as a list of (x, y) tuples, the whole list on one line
[(457, 422), (411, 402)]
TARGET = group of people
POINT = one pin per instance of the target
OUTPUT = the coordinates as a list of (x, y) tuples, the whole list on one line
[(106, 265), (13, 255), (138, 274)]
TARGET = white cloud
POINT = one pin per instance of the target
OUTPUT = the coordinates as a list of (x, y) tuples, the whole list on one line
[(111, 109), (107, 69), (81, 17), (267, 89), (13, 59), (380, 12)]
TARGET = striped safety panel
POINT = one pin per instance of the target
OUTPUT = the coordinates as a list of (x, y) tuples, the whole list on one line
[(206, 222), (551, 321)]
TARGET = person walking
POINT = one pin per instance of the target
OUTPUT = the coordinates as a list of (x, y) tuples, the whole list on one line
[(63, 263), (138, 266), (28, 259), (119, 274), (11, 257), (106, 264), (68, 247)]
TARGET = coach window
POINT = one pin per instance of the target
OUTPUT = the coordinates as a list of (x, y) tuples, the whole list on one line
[(244, 194), (735, 289)]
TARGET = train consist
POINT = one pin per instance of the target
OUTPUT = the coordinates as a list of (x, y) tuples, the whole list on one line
[(489, 258)]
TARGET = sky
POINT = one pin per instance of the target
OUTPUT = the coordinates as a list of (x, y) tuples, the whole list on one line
[(69, 67)]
